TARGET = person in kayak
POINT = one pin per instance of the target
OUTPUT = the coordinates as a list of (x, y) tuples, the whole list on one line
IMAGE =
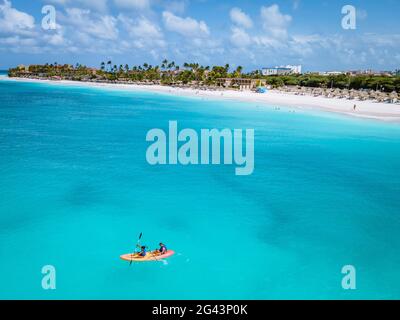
[(143, 251), (163, 248)]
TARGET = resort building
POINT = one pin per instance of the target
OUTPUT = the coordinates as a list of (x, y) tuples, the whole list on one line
[(330, 73), (93, 71), (22, 68), (370, 73), (240, 83), (282, 70)]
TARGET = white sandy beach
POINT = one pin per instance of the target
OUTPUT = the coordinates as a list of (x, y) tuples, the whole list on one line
[(365, 109)]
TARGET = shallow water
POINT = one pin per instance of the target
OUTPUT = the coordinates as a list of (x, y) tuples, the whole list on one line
[(76, 190)]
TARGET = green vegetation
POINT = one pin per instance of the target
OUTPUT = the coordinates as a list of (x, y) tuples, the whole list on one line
[(169, 73), (342, 81)]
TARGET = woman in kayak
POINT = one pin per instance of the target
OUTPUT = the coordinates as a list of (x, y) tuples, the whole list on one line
[(143, 251)]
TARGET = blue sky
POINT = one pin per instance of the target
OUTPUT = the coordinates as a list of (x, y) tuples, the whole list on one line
[(250, 33)]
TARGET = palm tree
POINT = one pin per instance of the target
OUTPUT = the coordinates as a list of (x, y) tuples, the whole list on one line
[(227, 67), (238, 71), (126, 68), (164, 64), (171, 65), (102, 66), (109, 62)]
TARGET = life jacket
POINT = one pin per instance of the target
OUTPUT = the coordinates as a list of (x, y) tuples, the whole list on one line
[(163, 248)]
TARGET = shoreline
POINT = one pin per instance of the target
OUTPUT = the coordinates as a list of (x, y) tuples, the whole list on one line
[(365, 109)]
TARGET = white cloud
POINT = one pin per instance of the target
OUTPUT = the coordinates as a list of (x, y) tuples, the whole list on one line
[(240, 18), (56, 39), (132, 4), (274, 22), (142, 27), (100, 5), (175, 6), (60, 2), (13, 21), (188, 27), (240, 38), (144, 33), (18, 41), (269, 42), (382, 40), (97, 5), (274, 36), (102, 27)]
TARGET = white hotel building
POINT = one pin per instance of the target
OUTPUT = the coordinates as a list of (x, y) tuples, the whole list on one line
[(282, 70)]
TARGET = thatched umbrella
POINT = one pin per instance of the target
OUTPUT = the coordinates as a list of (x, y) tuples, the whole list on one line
[(352, 94), (320, 91), (394, 97), (373, 95), (302, 91), (336, 93), (381, 96), (344, 93), (363, 95), (386, 97)]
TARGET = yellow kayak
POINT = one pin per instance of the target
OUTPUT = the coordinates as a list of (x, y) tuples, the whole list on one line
[(150, 256)]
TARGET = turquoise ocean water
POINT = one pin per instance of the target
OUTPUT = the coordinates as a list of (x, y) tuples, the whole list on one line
[(76, 190)]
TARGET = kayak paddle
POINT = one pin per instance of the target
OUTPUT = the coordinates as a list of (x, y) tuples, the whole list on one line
[(137, 243)]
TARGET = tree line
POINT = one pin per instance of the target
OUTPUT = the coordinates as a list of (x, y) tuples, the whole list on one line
[(168, 72)]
